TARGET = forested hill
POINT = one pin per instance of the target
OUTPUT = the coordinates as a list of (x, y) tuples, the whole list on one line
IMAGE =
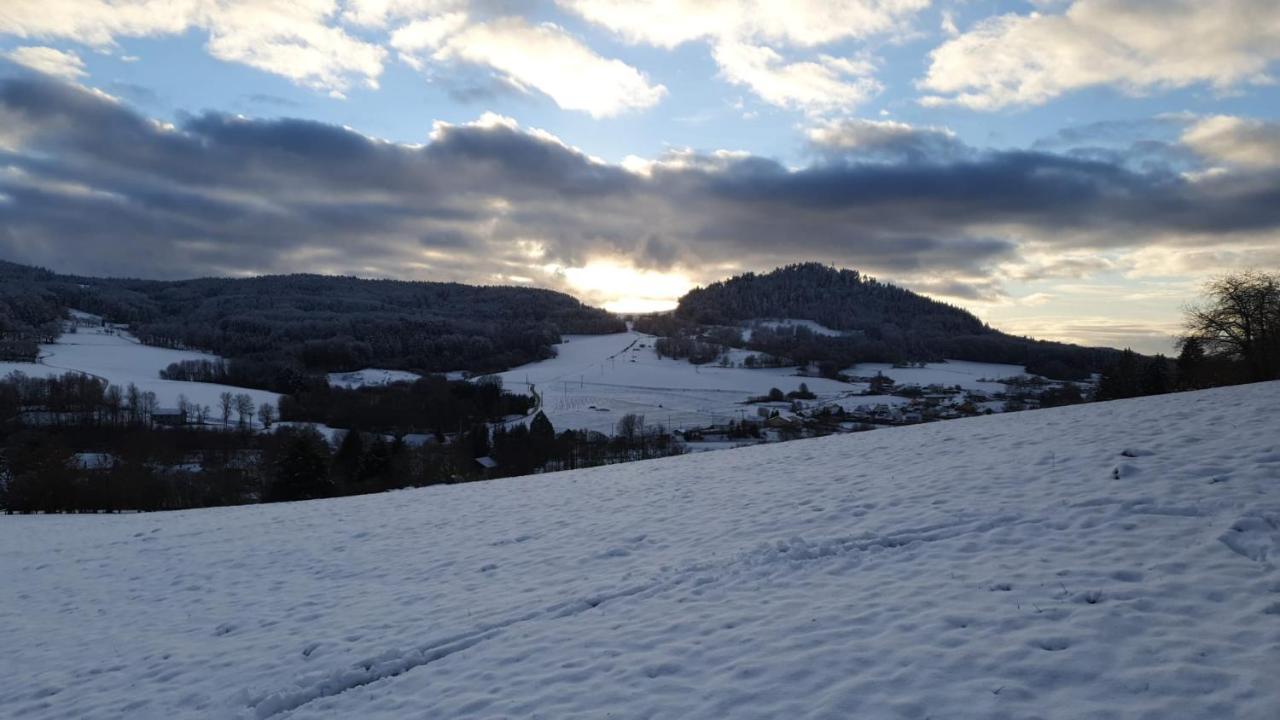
[(881, 323), (315, 323), (838, 299)]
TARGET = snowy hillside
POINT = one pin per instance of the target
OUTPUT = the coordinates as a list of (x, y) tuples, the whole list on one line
[(596, 379), (370, 377), (112, 354), (1107, 560)]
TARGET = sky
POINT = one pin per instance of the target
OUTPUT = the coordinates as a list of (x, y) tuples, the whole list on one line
[(1066, 169)]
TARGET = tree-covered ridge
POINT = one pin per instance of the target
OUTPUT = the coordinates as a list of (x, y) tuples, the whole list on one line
[(881, 323), (837, 298), (29, 312), (314, 323)]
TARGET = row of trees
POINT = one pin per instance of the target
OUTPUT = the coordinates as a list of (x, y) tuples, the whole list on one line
[(1232, 336), (431, 404), (76, 399), (107, 468)]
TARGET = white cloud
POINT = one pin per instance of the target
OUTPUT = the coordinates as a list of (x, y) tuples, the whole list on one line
[(1030, 59), (50, 61), (746, 36), (542, 57), (380, 13), (299, 40), (293, 40), (428, 34), (1238, 141), (804, 23), (813, 86)]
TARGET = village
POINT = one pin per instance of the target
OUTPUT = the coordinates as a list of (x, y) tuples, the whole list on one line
[(879, 401)]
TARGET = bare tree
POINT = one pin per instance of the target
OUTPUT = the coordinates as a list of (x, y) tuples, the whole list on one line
[(134, 399), (266, 414), (184, 408), (1241, 320), (114, 400), (244, 408), (225, 402), (150, 404)]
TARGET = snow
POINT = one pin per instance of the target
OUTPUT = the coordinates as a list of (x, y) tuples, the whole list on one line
[(968, 375), (596, 379), (120, 359), (815, 327), (371, 376), (1012, 566)]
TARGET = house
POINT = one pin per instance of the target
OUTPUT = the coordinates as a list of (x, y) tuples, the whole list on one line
[(881, 385), (169, 417)]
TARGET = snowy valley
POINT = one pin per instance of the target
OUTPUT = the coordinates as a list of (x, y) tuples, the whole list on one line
[(1111, 560)]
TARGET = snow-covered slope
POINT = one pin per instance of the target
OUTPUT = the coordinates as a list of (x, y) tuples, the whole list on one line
[(966, 374), (114, 355), (596, 379), (370, 377), (1114, 560)]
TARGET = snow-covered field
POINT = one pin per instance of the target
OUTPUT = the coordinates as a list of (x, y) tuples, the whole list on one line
[(968, 375), (814, 327), (369, 377), (596, 379), (121, 359), (1112, 560)]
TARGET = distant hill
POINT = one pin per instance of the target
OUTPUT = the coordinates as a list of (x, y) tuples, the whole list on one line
[(315, 323), (881, 323), (838, 299)]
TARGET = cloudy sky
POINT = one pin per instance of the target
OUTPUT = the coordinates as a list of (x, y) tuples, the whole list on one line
[(1066, 169)]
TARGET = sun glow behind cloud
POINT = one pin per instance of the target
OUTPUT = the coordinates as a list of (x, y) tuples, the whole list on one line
[(623, 288)]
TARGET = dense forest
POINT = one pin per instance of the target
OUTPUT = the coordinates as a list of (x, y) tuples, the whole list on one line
[(278, 329), (879, 323), (29, 312)]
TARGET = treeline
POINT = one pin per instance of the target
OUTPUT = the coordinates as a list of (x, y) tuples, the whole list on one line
[(431, 404), (29, 315), (879, 322), (106, 468), (1232, 337), (73, 443), (277, 330)]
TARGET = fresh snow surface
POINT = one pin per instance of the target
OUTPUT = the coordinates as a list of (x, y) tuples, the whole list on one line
[(968, 375), (370, 376), (596, 379), (1112, 560), (120, 359)]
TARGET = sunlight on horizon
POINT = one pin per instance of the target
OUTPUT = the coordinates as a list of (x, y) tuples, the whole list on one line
[(624, 288)]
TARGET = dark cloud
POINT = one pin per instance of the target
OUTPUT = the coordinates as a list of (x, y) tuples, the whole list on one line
[(886, 141), (94, 187)]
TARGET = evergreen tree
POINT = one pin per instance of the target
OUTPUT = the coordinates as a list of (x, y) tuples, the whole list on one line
[(1155, 376), (542, 437), (1120, 379), (1191, 364), (348, 461), (301, 471)]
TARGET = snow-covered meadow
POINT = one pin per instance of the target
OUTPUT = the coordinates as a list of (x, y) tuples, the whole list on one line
[(967, 375), (112, 354), (1112, 560), (370, 377), (596, 379)]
